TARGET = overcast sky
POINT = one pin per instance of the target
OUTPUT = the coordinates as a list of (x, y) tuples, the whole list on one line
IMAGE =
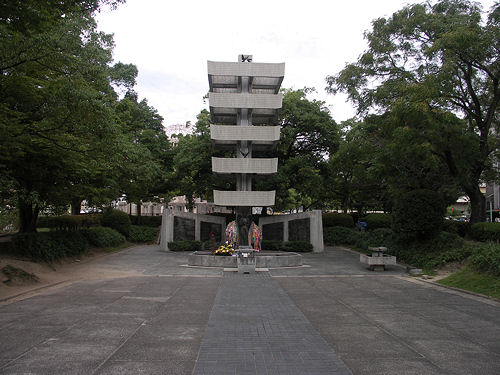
[(171, 41)]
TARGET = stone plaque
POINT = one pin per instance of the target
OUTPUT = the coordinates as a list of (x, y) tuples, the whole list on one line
[(183, 229), (273, 231), (299, 230), (206, 228)]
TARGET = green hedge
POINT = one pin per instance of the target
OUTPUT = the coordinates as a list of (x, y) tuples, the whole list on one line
[(118, 220), (341, 236), (486, 232), (293, 246), (332, 219), (486, 258), (272, 245), (377, 220), (103, 236), (185, 245), (418, 214), (49, 246), (298, 246), (69, 222), (445, 247), (142, 233), (462, 228), (146, 221)]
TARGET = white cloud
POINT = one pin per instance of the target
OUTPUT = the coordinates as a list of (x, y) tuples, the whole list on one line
[(170, 42)]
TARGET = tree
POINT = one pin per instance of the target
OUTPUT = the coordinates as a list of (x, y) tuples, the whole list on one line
[(437, 58), (56, 116), (146, 152), (309, 136), (353, 173), (193, 163)]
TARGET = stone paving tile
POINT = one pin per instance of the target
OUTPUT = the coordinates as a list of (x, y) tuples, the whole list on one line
[(255, 328)]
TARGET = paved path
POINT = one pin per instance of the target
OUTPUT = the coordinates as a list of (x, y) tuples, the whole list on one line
[(166, 318), (255, 328)]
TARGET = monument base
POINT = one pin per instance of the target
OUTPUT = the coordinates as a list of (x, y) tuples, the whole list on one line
[(246, 260), (266, 259)]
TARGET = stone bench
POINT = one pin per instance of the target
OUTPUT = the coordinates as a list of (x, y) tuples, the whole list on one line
[(378, 260)]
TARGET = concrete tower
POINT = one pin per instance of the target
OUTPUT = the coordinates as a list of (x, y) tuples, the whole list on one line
[(244, 103)]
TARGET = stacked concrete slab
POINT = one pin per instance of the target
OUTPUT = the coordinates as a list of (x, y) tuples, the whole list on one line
[(244, 103)]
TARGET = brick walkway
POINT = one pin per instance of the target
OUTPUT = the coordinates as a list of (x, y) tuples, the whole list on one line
[(261, 333)]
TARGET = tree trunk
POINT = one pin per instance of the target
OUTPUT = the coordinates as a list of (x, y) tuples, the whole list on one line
[(28, 215), (76, 206), (477, 204)]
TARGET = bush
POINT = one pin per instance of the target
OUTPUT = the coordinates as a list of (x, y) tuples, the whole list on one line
[(69, 222), (142, 233), (486, 232), (297, 246), (341, 236), (185, 245), (49, 246), (377, 220), (333, 219), (9, 220), (418, 214), (146, 221), (102, 236), (462, 228), (272, 245), (486, 258), (380, 237), (118, 220), (445, 247)]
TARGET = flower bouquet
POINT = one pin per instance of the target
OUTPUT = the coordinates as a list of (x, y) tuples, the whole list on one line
[(224, 250)]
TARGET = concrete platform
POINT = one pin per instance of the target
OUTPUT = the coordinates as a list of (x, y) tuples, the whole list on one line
[(158, 319), (263, 260)]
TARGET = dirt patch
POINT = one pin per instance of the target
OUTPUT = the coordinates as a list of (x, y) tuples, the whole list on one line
[(34, 276), (444, 271), (17, 276)]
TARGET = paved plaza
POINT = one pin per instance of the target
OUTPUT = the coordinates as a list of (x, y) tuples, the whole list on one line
[(332, 316)]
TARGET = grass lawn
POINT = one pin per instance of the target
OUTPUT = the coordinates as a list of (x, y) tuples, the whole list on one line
[(473, 281)]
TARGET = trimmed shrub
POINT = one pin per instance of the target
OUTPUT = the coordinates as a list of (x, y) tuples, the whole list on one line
[(341, 236), (103, 236), (118, 220), (486, 258), (418, 214), (272, 245), (486, 231), (69, 222), (462, 228), (146, 221), (297, 246), (377, 220), (443, 248), (49, 246), (332, 219), (142, 233), (185, 245), (380, 237)]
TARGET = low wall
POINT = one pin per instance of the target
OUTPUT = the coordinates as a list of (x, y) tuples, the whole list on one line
[(263, 260), (176, 225), (304, 226)]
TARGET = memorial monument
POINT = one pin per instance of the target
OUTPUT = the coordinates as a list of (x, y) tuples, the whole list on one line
[(244, 104)]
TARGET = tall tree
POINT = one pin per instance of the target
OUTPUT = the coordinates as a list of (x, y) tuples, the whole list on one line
[(146, 153), (56, 116), (353, 174), (309, 136), (441, 57), (193, 164)]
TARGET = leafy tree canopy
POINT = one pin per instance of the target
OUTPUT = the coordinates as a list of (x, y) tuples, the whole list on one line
[(435, 58)]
